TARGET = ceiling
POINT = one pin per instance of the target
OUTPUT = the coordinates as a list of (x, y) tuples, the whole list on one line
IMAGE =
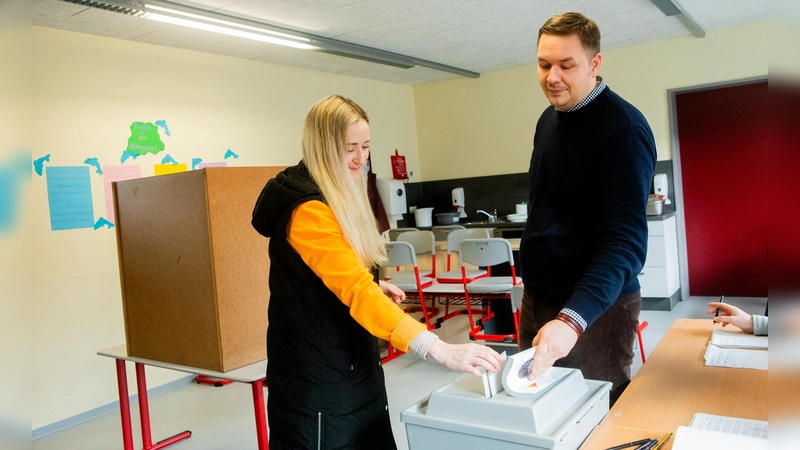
[(475, 35)]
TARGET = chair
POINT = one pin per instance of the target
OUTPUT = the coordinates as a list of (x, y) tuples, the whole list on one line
[(485, 253), (440, 232), (453, 242), (516, 304), (402, 253), (423, 243), (454, 275), (394, 232), (642, 326)]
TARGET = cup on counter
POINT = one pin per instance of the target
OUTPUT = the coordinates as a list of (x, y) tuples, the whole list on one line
[(522, 208)]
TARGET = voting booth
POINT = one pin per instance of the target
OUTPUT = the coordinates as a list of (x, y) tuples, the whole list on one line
[(194, 274), (466, 414)]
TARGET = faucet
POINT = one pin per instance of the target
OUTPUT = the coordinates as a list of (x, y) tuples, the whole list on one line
[(492, 217)]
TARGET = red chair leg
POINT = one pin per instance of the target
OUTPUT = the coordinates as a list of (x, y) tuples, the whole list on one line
[(642, 326)]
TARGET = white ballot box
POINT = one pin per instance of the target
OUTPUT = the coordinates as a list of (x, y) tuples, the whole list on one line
[(467, 414)]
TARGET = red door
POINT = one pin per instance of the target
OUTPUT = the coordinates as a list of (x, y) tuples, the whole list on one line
[(723, 154)]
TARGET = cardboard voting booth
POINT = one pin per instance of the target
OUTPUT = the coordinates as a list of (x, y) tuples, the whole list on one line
[(193, 271)]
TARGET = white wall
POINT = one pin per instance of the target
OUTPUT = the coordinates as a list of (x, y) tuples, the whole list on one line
[(87, 92), (476, 127)]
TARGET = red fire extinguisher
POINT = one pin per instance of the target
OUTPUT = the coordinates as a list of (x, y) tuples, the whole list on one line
[(399, 166)]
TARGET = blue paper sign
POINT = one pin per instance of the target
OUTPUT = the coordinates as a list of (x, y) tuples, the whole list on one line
[(69, 194)]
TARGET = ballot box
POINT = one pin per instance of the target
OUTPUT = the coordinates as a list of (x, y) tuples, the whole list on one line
[(462, 414)]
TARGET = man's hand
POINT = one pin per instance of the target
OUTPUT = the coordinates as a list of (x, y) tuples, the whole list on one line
[(393, 292), (553, 342)]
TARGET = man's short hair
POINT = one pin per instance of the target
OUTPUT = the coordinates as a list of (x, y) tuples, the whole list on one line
[(570, 23)]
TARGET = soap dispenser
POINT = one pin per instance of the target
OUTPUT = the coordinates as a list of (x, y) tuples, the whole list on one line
[(458, 202)]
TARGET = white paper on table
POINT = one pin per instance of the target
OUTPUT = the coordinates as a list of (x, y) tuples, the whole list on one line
[(733, 425), (698, 439), (738, 339), (737, 358)]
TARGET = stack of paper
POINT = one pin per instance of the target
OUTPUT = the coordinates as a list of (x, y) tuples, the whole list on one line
[(707, 431), (737, 349)]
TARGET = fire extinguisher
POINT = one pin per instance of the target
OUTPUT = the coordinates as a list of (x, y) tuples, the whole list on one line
[(399, 166)]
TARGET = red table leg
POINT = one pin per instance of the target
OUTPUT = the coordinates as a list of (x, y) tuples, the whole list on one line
[(261, 414), (144, 415), (124, 405)]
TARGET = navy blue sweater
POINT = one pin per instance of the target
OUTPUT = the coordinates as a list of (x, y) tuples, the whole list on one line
[(586, 237)]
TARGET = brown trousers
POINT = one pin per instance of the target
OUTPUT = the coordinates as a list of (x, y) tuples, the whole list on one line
[(604, 351)]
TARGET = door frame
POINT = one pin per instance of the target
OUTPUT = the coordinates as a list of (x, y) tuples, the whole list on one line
[(677, 178)]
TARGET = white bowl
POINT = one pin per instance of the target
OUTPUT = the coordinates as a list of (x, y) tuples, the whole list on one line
[(517, 217)]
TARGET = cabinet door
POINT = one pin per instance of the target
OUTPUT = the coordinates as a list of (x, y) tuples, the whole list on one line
[(653, 281), (656, 252)]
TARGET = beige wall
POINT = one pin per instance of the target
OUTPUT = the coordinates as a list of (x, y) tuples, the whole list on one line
[(479, 127), (87, 92)]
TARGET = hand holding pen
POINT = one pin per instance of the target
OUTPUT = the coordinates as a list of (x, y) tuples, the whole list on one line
[(725, 314)]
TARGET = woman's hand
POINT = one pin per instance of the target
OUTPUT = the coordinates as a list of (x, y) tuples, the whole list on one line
[(729, 314), (393, 292), (465, 357)]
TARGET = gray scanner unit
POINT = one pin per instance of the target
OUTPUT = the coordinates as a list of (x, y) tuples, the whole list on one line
[(459, 415)]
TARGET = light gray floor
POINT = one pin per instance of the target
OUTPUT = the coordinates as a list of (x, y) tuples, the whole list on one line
[(222, 417)]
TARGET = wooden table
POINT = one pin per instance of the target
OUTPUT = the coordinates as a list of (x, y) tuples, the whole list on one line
[(674, 384), (253, 374)]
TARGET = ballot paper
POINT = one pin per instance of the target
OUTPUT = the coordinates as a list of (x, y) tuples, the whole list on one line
[(733, 425), (737, 358), (698, 439), (738, 339), (515, 375)]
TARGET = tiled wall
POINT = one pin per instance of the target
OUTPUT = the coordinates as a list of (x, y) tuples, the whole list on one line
[(501, 192)]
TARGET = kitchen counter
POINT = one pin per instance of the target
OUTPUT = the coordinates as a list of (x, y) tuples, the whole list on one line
[(660, 217)]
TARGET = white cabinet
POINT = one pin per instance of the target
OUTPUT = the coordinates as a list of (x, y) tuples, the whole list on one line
[(660, 277)]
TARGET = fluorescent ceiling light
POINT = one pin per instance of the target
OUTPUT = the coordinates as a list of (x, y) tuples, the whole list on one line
[(177, 14), (230, 29)]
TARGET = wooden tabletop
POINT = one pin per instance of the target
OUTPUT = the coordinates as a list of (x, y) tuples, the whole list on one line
[(674, 384)]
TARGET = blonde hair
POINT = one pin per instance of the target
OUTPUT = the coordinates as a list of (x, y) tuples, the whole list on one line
[(324, 154)]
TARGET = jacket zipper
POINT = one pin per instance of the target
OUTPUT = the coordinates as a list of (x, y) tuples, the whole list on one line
[(319, 431)]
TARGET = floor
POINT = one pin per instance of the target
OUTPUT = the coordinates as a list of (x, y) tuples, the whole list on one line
[(222, 417)]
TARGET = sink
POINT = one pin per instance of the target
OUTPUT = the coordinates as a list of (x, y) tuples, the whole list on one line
[(482, 223)]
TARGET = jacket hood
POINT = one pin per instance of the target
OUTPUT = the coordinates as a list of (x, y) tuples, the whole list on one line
[(281, 196)]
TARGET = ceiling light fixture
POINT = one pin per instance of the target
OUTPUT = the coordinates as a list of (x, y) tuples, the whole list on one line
[(191, 17)]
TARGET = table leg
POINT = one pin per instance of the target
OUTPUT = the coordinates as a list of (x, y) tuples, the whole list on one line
[(124, 405), (144, 415), (261, 414)]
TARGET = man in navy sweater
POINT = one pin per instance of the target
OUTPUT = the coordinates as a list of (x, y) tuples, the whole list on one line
[(586, 237)]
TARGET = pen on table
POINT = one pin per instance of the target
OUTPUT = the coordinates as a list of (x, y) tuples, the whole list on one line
[(716, 314), (649, 445), (630, 444), (663, 441)]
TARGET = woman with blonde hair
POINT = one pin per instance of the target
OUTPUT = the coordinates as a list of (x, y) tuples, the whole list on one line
[(326, 308)]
